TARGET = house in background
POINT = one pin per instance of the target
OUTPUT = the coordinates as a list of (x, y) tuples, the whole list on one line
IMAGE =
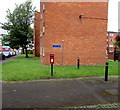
[(112, 49)]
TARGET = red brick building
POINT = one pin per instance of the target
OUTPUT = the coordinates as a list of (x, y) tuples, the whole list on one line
[(37, 34), (71, 30), (111, 47)]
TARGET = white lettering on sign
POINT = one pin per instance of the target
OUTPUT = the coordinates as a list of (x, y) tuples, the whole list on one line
[(51, 60)]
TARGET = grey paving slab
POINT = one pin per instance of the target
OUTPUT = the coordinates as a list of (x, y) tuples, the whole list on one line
[(113, 91), (57, 93)]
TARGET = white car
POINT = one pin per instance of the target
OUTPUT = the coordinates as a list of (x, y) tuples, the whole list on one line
[(12, 53), (6, 53)]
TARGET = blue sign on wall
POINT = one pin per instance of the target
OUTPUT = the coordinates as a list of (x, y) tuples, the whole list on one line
[(56, 46)]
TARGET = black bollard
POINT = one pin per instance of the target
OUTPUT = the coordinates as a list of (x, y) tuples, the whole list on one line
[(78, 62), (106, 71)]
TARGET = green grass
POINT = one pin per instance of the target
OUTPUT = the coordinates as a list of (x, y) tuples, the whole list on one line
[(32, 69), (22, 56)]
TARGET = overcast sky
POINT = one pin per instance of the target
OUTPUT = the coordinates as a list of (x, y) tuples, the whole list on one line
[(112, 13), (113, 16)]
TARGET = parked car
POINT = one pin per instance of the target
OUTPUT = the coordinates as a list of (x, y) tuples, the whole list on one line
[(2, 56), (6, 53), (12, 53)]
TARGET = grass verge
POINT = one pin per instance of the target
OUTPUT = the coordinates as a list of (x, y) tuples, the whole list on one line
[(31, 56), (32, 69)]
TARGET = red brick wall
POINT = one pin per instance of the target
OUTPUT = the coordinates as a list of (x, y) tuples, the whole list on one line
[(37, 34), (111, 40), (85, 38)]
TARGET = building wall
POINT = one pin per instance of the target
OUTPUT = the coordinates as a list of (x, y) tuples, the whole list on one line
[(37, 34), (84, 38), (110, 44)]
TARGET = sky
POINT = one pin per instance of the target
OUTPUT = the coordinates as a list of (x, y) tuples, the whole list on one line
[(113, 16), (10, 4), (112, 13)]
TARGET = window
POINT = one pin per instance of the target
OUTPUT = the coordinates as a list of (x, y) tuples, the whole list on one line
[(111, 34), (111, 45), (43, 30), (111, 39), (40, 50), (43, 51), (43, 6), (41, 33), (41, 16), (110, 51)]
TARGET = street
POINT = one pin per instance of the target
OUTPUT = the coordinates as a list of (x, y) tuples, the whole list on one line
[(8, 59)]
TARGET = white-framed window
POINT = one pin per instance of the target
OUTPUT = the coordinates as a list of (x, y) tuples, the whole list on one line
[(111, 45), (43, 29), (111, 34), (43, 52), (110, 51), (111, 39), (43, 6), (41, 16), (40, 50), (41, 33)]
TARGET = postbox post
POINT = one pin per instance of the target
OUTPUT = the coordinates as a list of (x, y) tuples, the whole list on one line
[(51, 69), (51, 62)]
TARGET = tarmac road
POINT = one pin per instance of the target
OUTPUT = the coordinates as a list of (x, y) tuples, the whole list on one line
[(8, 59), (59, 93)]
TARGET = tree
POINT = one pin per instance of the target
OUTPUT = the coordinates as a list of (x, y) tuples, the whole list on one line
[(20, 34)]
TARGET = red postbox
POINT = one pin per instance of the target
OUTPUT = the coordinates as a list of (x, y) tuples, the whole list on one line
[(51, 58)]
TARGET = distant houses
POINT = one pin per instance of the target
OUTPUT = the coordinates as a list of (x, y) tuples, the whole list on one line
[(112, 49)]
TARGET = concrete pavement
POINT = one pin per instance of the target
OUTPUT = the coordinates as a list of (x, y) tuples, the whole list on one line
[(59, 93)]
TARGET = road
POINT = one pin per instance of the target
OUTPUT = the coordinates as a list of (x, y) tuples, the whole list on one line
[(8, 59)]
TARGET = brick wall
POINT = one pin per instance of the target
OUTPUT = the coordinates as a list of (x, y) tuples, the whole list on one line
[(84, 38), (110, 44), (37, 34)]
